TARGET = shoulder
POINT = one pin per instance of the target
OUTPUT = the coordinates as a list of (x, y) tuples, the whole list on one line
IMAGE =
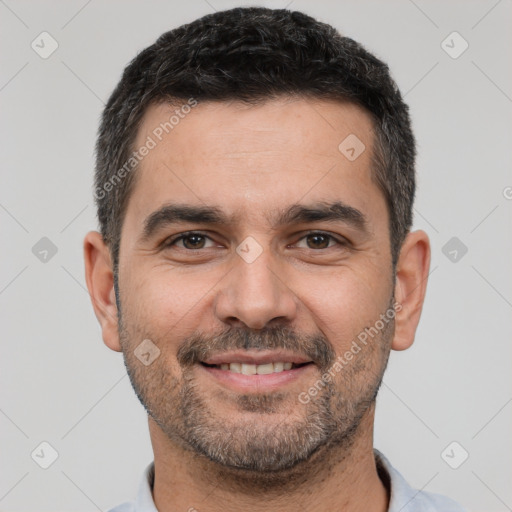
[(124, 507), (144, 499), (406, 499)]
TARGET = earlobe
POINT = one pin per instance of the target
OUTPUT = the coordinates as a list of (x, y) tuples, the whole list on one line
[(100, 282), (411, 284)]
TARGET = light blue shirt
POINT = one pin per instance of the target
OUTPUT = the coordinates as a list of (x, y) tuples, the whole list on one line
[(403, 497)]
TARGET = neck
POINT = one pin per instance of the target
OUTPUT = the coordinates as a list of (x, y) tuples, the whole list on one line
[(334, 478)]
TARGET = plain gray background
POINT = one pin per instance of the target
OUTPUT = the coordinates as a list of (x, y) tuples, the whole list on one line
[(60, 384)]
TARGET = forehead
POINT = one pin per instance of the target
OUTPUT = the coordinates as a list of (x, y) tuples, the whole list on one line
[(283, 125), (250, 158)]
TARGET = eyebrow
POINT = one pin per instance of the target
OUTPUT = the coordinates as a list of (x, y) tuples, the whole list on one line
[(295, 214)]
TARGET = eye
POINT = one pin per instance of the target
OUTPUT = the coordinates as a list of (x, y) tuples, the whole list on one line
[(190, 241), (194, 240), (319, 240)]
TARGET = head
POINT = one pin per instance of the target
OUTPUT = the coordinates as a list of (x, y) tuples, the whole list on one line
[(254, 185)]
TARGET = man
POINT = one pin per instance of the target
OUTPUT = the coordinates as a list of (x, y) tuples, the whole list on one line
[(254, 184)]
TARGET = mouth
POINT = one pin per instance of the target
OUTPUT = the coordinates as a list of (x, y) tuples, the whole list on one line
[(257, 369), (245, 371)]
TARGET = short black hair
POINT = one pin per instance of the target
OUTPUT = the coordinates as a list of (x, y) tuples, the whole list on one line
[(252, 55)]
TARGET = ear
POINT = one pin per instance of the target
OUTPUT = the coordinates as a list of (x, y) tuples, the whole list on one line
[(411, 284), (100, 282)]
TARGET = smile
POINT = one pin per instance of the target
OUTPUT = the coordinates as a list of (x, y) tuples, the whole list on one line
[(256, 369)]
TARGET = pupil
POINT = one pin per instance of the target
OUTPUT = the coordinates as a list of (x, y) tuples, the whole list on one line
[(192, 237), (316, 237)]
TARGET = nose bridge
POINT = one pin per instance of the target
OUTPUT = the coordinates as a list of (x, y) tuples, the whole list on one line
[(253, 292)]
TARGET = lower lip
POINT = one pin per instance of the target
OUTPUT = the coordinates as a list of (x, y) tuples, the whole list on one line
[(259, 383)]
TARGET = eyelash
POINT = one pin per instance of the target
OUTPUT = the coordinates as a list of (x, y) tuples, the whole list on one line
[(172, 241)]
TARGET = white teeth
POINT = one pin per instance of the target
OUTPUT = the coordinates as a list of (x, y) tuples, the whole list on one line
[(248, 369), (265, 369), (235, 367), (278, 367), (256, 369)]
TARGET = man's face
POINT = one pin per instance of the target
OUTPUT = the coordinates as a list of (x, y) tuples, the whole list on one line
[(257, 282)]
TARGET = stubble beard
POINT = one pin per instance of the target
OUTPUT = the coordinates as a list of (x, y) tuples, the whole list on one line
[(259, 445)]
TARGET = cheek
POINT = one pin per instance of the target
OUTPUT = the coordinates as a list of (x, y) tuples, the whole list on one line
[(164, 302), (343, 304)]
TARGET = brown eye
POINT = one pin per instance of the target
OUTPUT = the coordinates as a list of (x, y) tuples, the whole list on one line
[(193, 241), (189, 241), (318, 241)]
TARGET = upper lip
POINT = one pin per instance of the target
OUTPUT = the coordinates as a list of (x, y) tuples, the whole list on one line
[(256, 357)]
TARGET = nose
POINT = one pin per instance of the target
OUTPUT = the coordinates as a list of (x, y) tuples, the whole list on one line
[(255, 294)]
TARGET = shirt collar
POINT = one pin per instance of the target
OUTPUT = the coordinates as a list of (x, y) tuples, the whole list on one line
[(406, 499), (144, 501)]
